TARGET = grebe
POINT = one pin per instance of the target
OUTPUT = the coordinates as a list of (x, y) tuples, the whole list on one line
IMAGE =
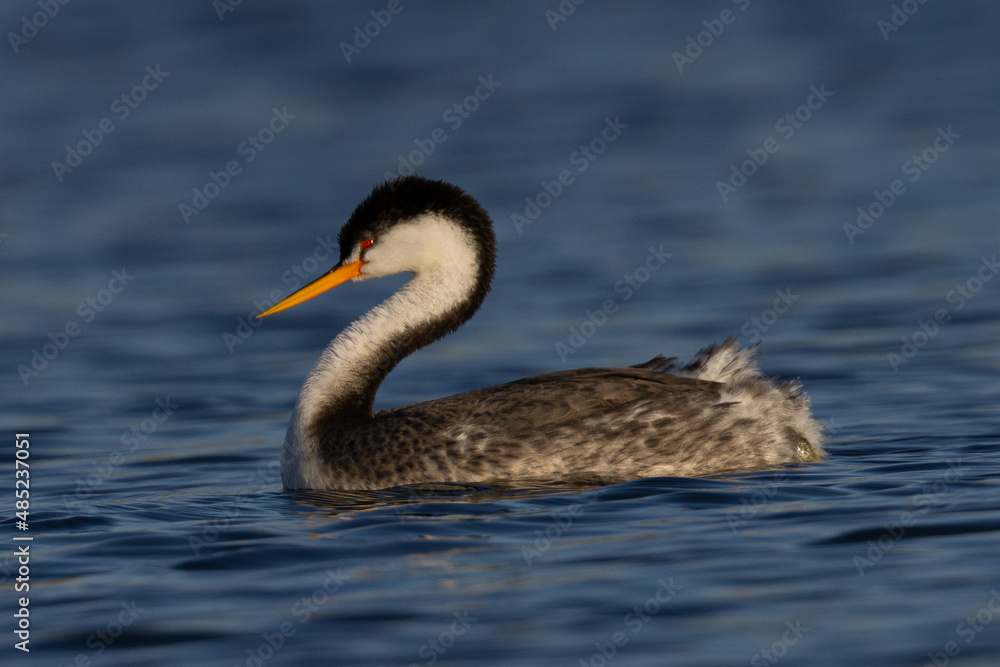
[(716, 414)]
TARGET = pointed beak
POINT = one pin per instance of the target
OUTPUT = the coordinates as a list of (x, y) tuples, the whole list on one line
[(337, 275)]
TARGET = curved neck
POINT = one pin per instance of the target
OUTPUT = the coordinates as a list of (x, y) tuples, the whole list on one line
[(340, 391)]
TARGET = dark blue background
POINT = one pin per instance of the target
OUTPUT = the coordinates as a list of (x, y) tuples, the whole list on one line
[(122, 484)]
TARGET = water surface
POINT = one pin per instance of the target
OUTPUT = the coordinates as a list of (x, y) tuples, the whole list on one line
[(161, 532)]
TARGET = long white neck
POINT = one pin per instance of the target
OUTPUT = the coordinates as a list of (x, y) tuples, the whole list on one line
[(359, 358), (444, 292)]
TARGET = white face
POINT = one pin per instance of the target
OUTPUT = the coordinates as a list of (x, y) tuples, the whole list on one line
[(429, 244)]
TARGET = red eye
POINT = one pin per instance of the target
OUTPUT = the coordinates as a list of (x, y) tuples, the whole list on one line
[(367, 243)]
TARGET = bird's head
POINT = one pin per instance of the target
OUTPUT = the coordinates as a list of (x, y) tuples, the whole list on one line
[(410, 225)]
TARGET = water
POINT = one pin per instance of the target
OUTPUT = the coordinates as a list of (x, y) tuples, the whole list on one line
[(161, 534)]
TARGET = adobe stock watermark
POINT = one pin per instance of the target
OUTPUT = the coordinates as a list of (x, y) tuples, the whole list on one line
[(265, 477), (61, 339), (130, 440), (454, 116), (560, 521), (411, 509), (898, 16), (303, 611), (625, 289), (754, 327), (99, 641), (248, 150), (435, 647), (786, 126), (122, 107), (31, 26), (959, 296), (913, 169), (634, 621), (223, 7), (895, 530), (584, 156), (563, 11), (967, 630), (364, 34), (294, 277), (751, 507), (697, 44), (779, 647)]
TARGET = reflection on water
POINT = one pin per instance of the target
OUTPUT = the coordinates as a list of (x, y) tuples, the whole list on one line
[(156, 423)]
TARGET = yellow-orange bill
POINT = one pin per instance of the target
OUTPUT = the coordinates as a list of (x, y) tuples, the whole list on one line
[(338, 275)]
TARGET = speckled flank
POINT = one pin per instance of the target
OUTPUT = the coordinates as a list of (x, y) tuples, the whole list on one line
[(614, 423), (716, 414)]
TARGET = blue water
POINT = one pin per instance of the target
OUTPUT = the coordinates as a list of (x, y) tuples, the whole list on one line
[(161, 534)]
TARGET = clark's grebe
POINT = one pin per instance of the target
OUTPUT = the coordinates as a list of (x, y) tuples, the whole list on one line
[(716, 414)]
